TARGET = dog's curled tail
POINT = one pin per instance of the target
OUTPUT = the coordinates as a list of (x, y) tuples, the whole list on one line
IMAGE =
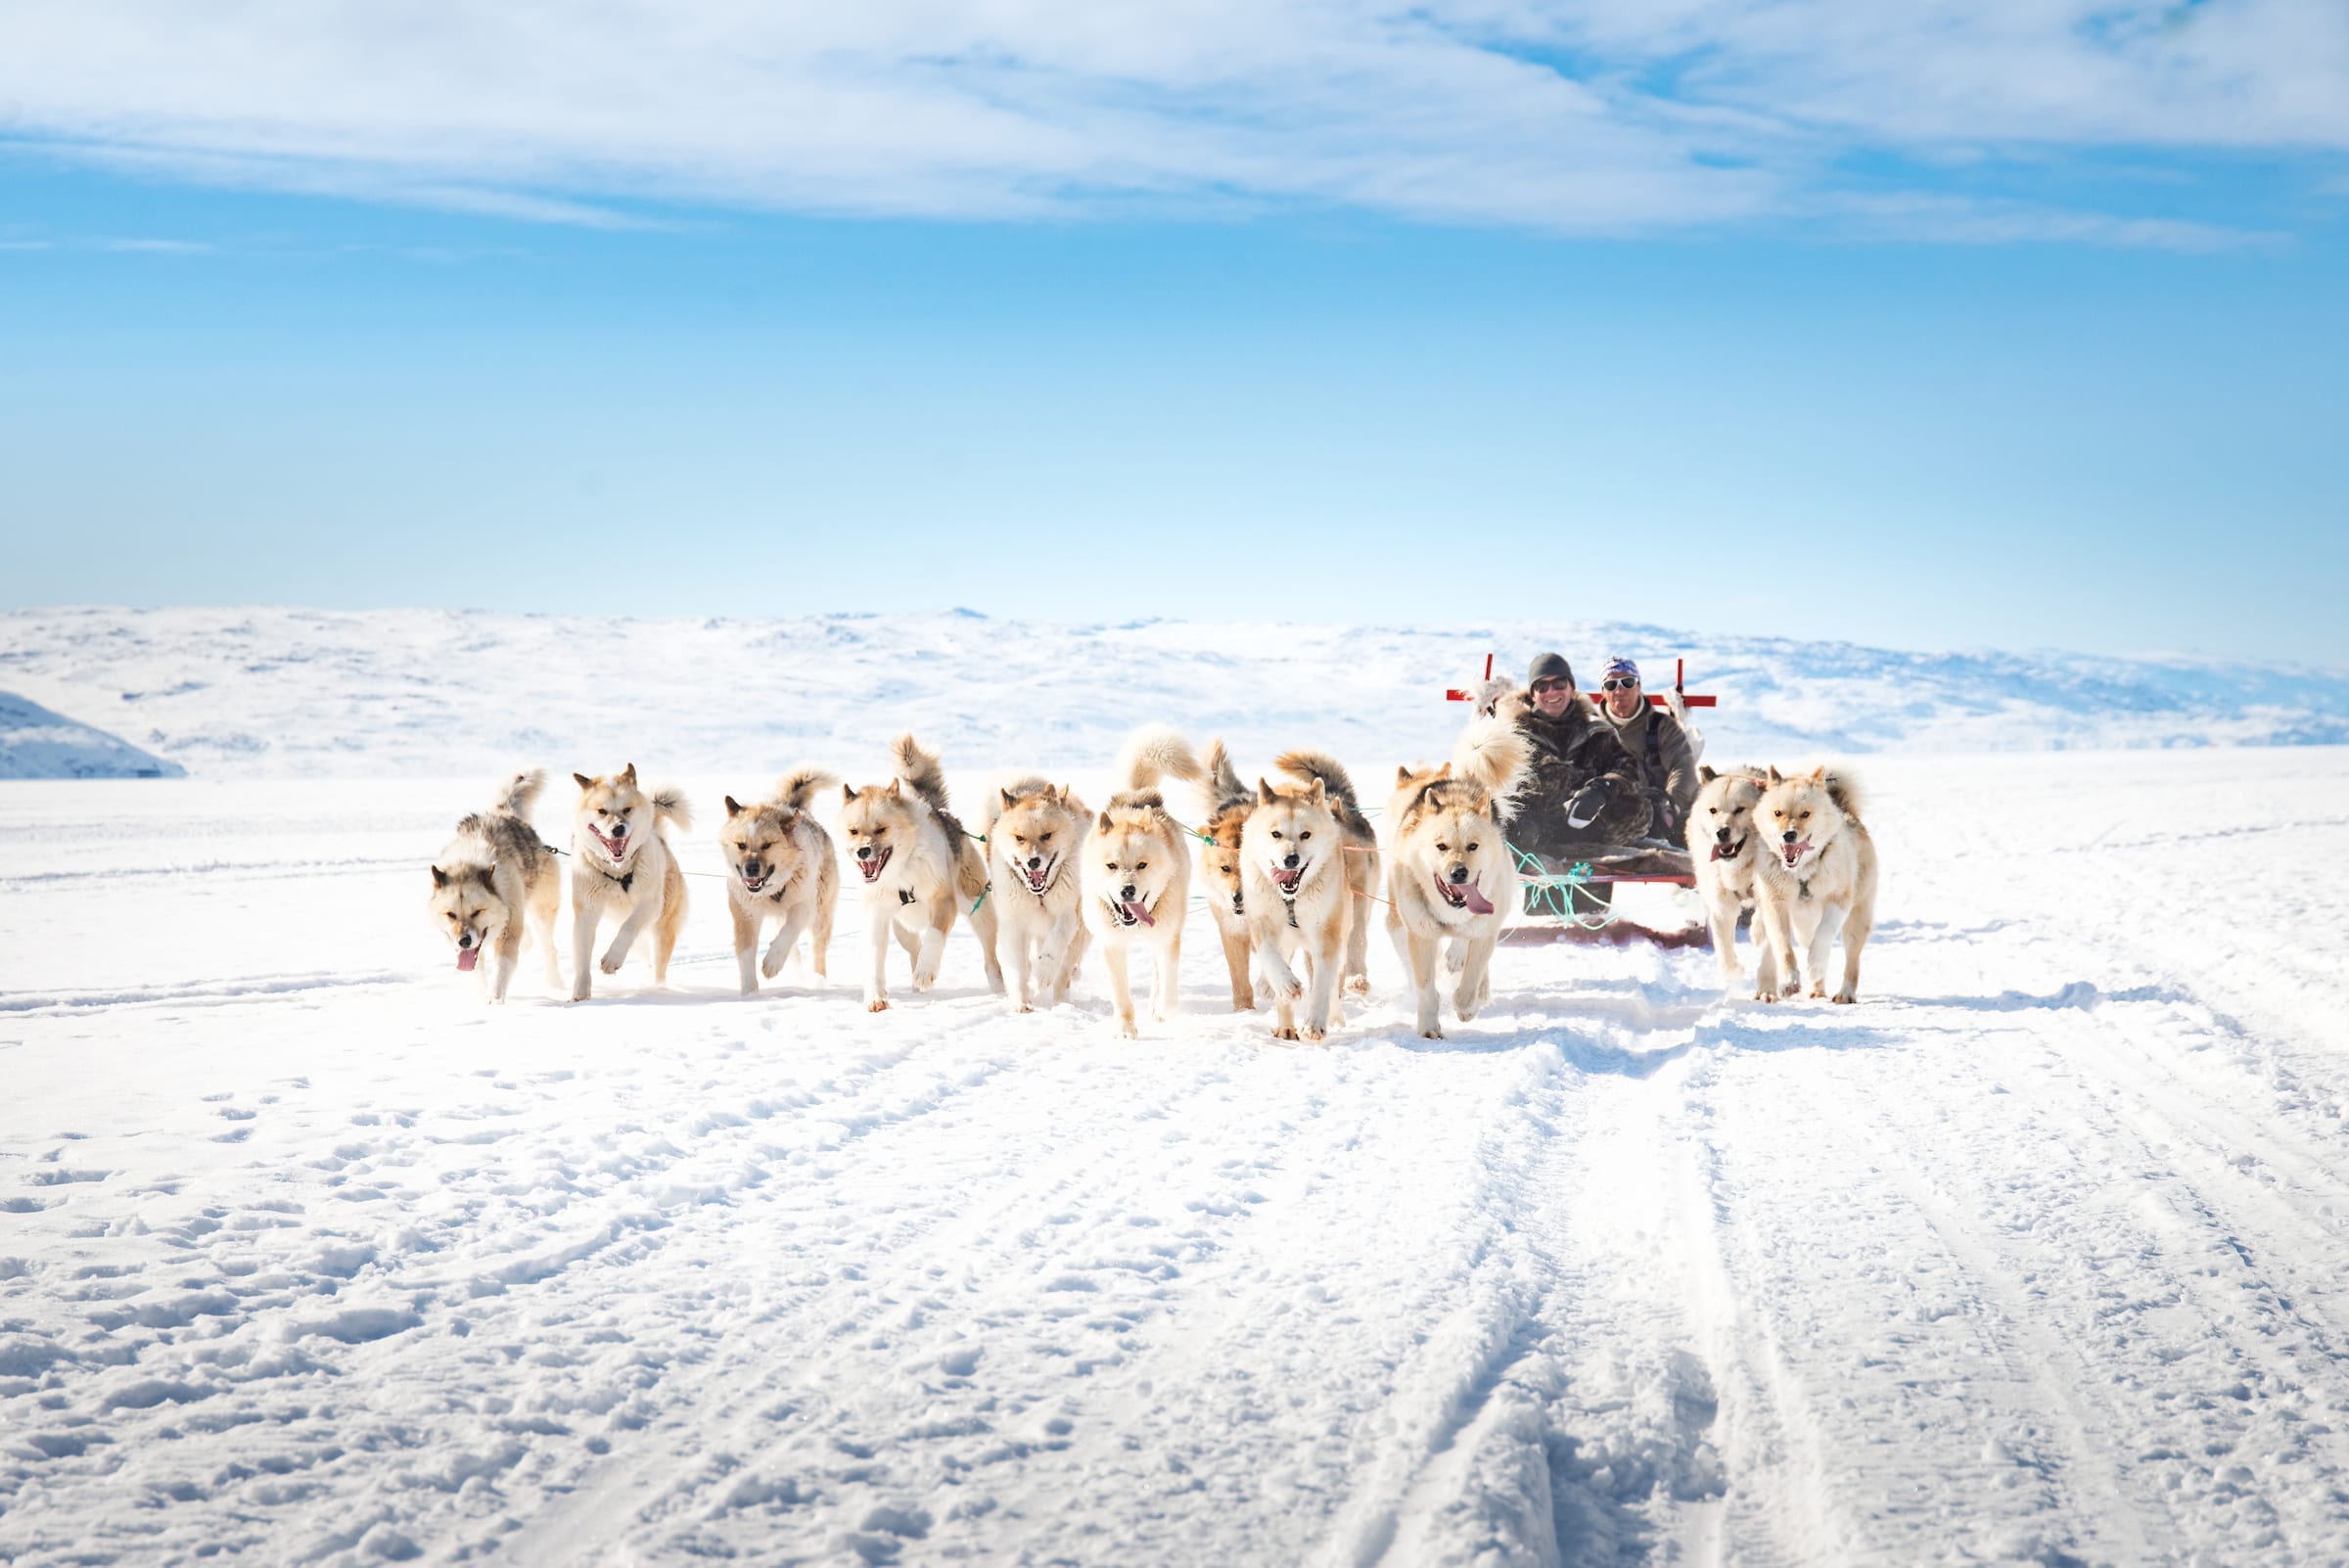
[(520, 791), (1494, 754), (798, 787), (1845, 791), (1310, 765), (1223, 781), (668, 804), (920, 771), (1153, 753)]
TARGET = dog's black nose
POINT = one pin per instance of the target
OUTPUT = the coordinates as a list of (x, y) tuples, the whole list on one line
[(1788, 836), (1460, 873), (1127, 893), (750, 869), (620, 830), (1035, 862), (466, 941), (1236, 904), (864, 852), (1721, 834), (1289, 863)]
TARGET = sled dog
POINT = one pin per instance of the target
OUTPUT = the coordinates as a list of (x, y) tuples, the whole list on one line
[(1725, 849), (780, 867), (1451, 878), (919, 870), (1360, 857), (1299, 902), (493, 880), (1034, 832), (621, 861), (1228, 804), (1818, 875), (1138, 873)]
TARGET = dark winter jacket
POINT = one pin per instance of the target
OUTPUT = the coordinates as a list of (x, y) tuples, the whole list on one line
[(1569, 752), (1658, 745)]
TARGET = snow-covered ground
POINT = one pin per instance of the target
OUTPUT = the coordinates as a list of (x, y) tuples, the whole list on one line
[(36, 742), (2038, 1253)]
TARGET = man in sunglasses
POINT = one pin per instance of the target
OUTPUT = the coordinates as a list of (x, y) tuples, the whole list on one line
[(1586, 788), (1658, 745)]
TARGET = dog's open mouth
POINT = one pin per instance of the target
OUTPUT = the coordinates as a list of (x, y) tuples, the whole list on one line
[(872, 867), (1794, 852), (618, 849), (1286, 878), (1129, 913), (752, 884), (1728, 852), (1465, 896), (1039, 877), (467, 957)]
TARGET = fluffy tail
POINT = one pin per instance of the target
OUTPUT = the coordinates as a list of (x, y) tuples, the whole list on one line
[(1322, 766), (1153, 753), (1222, 779), (800, 784), (1497, 755), (920, 771), (521, 791), (668, 804), (1845, 791)]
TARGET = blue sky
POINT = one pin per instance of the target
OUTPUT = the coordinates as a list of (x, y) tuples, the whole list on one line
[(1668, 320)]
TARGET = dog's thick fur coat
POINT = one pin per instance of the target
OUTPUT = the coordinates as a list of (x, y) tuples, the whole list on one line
[(1451, 880), (1138, 873), (1228, 804), (621, 862), (920, 870), (1816, 875), (494, 881), (780, 867), (1360, 857), (1300, 900), (1036, 841), (1724, 848)]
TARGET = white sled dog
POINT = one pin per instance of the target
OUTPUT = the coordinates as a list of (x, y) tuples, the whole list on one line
[(621, 861), (1818, 875), (780, 867), (1034, 832), (1360, 855), (1229, 803), (1451, 880), (1299, 901), (1138, 873), (919, 869), (1725, 849), (494, 880)]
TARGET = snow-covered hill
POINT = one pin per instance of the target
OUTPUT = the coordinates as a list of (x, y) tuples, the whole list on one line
[(263, 693), (36, 742)]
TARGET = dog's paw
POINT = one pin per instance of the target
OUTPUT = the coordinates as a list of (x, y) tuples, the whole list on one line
[(1244, 1005), (1765, 995), (879, 1004), (1025, 1007), (1284, 1033), (1432, 1031), (1359, 984), (773, 964), (612, 962), (1126, 1030), (1312, 1034), (922, 982), (1290, 992), (750, 988), (1819, 988), (1466, 1011), (1846, 998)]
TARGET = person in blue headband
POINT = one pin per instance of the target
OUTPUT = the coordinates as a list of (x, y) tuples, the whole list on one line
[(1658, 745)]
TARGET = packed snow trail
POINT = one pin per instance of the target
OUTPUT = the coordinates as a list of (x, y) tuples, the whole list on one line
[(2037, 1254)]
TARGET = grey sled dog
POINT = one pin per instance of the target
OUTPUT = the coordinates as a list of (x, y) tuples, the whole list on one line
[(494, 880), (1818, 875), (780, 867), (621, 862), (920, 870)]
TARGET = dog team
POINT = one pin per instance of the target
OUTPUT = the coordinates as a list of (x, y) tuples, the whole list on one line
[(1289, 869)]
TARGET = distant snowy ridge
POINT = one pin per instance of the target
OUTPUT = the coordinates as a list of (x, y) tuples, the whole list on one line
[(259, 693), (36, 742)]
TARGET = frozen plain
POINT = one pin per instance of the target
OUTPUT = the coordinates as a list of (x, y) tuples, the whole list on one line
[(2037, 1254)]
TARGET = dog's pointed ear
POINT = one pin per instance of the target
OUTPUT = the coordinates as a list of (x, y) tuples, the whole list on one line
[(1264, 793), (1819, 774), (487, 876), (628, 776), (733, 806), (1705, 773), (1010, 800), (1320, 795), (585, 783), (1479, 798), (848, 794), (1402, 776), (1103, 824), (896, 788), (1776, 778), (1445, 771), (439, 878), (1067, 796)]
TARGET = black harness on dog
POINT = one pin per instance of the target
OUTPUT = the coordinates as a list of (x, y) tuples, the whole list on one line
[(625, 882)]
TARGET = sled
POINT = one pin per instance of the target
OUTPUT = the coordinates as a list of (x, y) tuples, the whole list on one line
[(1574, 898)]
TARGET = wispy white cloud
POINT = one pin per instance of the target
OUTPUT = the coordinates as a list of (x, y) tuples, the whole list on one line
[(1598, 116)]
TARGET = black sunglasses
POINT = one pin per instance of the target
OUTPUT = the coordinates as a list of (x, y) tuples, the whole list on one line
[(1551, 683), (1618, 685)]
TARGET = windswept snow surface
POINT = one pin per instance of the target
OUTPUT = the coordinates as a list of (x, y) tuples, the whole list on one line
[(2037, 1254), (36, 742), (273, 693)]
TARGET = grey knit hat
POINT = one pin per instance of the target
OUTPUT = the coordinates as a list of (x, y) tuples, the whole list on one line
[(1549, 666)]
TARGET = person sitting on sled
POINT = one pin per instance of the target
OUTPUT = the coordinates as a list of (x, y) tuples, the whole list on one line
[(1657, 743), (1586, 789)]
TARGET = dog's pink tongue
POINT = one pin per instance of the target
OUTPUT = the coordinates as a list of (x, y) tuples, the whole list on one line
[(467, 957), (1140, 913), (1478, 903), (1795, 851)]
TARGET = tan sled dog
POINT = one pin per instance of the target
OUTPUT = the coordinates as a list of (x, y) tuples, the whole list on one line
[(1035, 843), (780, 867), (1451, 880), (494, 880), (1360, 857), (621, 861), (1228, 804), (1724, 848), (1818, 875), (1299, 906), (1138, 874), (919, 869)]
